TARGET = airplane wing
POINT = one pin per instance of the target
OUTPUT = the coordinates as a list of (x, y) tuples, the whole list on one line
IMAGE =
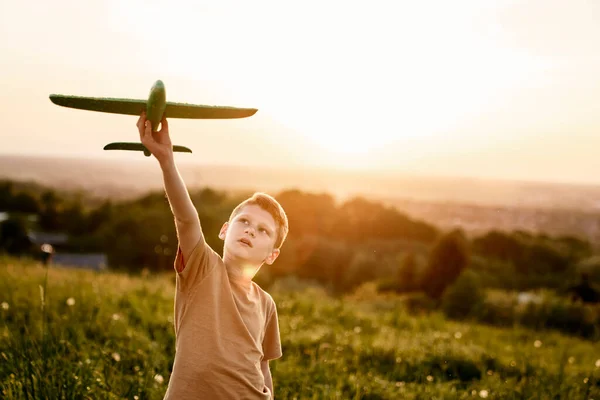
[(141, 147), (183, 110), (101, 104), (135, 107)]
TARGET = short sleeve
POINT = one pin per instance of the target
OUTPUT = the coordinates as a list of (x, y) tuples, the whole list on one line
[(192, 271), (272, 342)]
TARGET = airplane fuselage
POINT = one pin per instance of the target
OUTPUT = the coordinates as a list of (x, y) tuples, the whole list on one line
[(156, 104)]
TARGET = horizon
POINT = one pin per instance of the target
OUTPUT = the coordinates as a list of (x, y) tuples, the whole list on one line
[(500, 91), (129, 178), (385, 173)]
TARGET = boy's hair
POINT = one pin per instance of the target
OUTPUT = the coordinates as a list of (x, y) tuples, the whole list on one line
[(269, 204)]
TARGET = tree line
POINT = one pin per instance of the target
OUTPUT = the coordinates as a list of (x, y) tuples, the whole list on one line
[(338, 244)]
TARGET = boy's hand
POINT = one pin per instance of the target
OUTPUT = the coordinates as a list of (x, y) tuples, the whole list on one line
[(159, 142)]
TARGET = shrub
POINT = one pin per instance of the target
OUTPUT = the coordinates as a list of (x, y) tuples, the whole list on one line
[(463, 297), (557, 313)]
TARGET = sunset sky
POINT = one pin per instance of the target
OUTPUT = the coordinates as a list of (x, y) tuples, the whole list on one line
[(504, 89)]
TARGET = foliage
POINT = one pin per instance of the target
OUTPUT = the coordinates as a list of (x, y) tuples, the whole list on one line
[(408, 273), (463, 297), (540, 310), (339, 245), (532, 254), (13, 236), (449, 256)]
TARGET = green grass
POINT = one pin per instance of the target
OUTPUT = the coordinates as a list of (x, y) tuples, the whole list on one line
[(70, 334)]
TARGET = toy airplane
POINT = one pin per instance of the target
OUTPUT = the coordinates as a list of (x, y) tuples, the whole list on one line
[(156, 106)]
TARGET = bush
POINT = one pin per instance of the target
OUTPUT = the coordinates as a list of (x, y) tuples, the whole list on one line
[(498, 308), (591, 266), (540, 310), (563, 315), (418, 303), (463, 297)]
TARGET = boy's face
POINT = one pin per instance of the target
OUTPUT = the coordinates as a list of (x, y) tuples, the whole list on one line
[(251, 236)]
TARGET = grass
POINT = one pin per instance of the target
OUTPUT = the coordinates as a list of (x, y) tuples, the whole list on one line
[(71, 334)]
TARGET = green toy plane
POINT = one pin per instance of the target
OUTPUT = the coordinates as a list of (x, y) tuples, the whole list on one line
[(156, 106)]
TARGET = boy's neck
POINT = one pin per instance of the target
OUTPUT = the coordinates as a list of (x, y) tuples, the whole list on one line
[(239, 269)]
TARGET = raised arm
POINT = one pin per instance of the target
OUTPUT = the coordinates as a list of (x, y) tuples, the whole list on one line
[(187, 221)]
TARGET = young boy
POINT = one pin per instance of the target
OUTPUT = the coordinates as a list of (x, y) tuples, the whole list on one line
[(226, 327)]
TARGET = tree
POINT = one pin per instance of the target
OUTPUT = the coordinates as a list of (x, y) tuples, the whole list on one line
[(49, 212), (448, 257), (407, 273), (308, 214), (13, 236), (25, 203)]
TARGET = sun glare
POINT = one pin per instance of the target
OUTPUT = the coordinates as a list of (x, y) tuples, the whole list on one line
[(350, 93)]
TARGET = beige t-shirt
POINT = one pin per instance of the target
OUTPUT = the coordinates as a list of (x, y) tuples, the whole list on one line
[(224, 327)]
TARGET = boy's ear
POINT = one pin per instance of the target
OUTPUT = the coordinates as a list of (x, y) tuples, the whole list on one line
[(272, 257), (223, 231)]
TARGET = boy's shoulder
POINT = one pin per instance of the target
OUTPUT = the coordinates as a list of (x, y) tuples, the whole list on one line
[(264, 294)]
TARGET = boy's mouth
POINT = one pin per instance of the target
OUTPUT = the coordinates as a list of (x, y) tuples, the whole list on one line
[(245, 241)]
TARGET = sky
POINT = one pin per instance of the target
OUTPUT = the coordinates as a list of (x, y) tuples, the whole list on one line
[(503, 89)]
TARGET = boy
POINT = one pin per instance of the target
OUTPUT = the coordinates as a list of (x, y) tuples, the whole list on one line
[(226, 327)]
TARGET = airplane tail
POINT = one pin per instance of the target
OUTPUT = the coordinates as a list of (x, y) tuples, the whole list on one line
[(141, 147)]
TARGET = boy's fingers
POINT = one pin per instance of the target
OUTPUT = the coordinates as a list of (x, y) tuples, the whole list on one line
[(148, 131), (140, 124), (141, 119)]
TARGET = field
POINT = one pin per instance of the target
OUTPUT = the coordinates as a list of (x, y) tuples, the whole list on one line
[(72, 334)]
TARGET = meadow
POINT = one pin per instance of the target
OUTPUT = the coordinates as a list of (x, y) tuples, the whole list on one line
[(73, 334)]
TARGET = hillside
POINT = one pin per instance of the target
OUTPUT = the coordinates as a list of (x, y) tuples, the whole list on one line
[(80, 334)]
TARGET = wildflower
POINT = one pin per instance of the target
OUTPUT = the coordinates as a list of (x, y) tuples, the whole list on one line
[(116, 317), (598, 363), (429, 378), (399, 384), (70, 302), (537, 344), (457, 335), (571, 360), (357, 329), (586, 380), (116, 357), (4, 305), (483, 393), (158, 378)]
